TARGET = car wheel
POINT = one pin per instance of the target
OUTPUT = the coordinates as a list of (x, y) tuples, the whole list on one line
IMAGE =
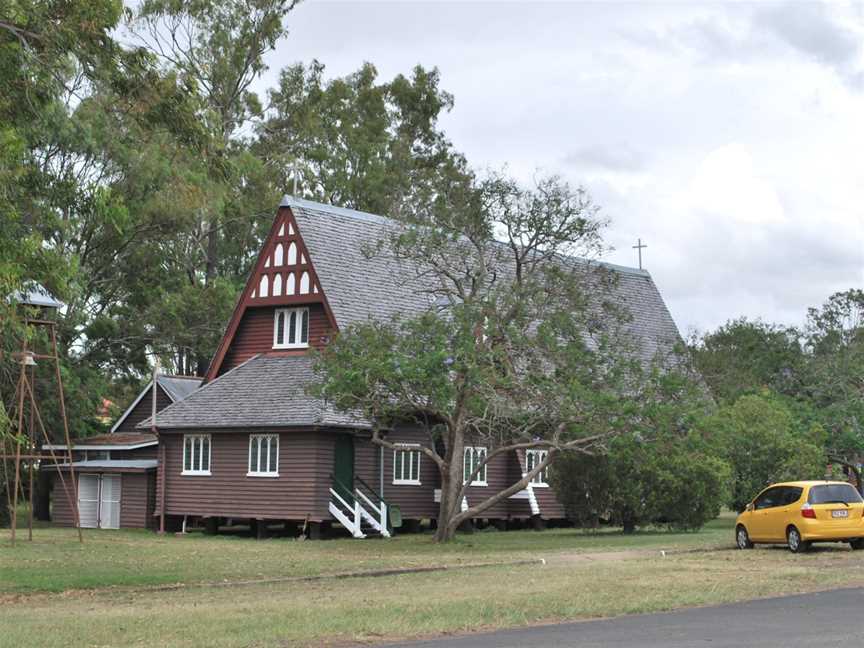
[(794, 541), (742, 538), (857, 544)]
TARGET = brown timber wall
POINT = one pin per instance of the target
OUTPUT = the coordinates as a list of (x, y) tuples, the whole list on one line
[(137, 496), (255, 334), (497, 478), (415, 502), (302, 488), (141, 412), (61, 512), (550, 507), (136, 500), (418, 501)]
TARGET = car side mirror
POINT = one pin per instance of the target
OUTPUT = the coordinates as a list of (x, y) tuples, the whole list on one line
[(749, 507)]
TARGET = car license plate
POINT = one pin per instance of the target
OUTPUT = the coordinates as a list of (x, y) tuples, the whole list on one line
[(843, 513)]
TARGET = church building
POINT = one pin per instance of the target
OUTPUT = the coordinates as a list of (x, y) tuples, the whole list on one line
[(250, 445)]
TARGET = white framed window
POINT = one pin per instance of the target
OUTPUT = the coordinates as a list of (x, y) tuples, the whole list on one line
[(406, 465), (534, 458), (291, 328), (263, 455), (473, 456), (196, 454)]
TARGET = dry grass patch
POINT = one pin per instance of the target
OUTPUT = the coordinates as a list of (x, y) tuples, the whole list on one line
[(417, 605)]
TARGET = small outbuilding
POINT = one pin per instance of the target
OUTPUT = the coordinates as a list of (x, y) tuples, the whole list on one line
[(116, 472)]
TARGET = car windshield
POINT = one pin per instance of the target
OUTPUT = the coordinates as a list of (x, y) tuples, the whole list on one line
[(833, 493)]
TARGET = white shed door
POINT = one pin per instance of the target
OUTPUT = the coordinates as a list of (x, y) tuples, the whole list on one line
[(109, 515), (88, 500)]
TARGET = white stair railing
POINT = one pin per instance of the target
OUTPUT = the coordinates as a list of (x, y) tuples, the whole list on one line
[(379, 524), (351, 516), (348, 516), (532, 497)]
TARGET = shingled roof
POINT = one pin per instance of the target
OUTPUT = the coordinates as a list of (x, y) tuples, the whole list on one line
[(359, 287), (176, 387), (270, 390), (264, 391)]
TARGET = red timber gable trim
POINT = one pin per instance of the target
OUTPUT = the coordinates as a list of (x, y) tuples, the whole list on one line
[(283, 275)]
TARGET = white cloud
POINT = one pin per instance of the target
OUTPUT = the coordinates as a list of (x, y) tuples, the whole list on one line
[(727, 136), (728, 185)]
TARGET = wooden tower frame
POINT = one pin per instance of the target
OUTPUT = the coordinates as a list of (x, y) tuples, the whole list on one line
[(24, 444)]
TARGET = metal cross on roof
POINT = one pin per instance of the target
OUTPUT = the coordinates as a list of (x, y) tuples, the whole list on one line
[(639, 246)]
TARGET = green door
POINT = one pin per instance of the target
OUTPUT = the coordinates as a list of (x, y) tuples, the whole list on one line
[(343, 467)]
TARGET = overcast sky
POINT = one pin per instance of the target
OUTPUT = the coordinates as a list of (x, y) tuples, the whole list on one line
[(730, 138)]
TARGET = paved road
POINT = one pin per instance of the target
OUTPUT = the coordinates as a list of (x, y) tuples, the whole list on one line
[(833, 618)]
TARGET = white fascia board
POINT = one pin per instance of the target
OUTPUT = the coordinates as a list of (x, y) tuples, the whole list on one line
[(148, 389), (130, 446)]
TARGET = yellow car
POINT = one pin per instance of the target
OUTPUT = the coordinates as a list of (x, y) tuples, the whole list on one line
[(803, 512)]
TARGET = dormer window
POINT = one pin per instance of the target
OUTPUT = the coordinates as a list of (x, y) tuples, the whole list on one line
[(291, 328)]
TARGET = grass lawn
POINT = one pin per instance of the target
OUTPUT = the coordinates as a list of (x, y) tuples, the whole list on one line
[(55, 561), (578, 581)]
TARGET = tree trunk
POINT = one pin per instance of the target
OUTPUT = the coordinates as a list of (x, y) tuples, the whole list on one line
[(451, 484)]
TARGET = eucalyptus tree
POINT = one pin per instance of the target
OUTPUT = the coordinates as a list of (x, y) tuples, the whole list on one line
[(217, 48), (359, 142), (834, 383), (523, 345)]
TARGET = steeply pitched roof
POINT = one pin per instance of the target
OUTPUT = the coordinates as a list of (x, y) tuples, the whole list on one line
[(265, 391), (176, 387), (359, 287), (270, 390)]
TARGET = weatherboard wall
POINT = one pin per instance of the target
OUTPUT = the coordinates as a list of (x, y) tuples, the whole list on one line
[(414, 501), (300, 490), (137, 496), (255, 334), (143, 410)]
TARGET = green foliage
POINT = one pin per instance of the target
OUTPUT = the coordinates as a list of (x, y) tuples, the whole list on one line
[(744, 357), (806, 382), (763, 444), (665, 471), (357, 142), (835, 372)]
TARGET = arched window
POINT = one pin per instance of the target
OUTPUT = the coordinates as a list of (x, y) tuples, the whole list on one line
[(291, 284), (292, 254), (279, 337), (291, 328), (304, 283), (282, 229), (278, 255), (292, 325), (264, 286), (277, 285), (304, 326)]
